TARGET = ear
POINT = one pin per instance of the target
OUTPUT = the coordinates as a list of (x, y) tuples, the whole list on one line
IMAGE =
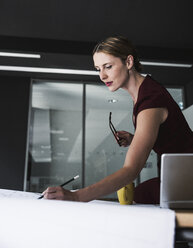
[(130, 62)]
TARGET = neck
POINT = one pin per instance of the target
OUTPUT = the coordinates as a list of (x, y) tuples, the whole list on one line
[(133, 84)]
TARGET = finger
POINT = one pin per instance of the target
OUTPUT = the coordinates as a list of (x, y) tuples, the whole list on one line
[(122, 140), (52, 196), (123, 143), (49, 190), (54, 193), (52, 189), (121, 134)]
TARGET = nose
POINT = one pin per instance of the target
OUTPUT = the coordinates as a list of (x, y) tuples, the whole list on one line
[(103, 75)]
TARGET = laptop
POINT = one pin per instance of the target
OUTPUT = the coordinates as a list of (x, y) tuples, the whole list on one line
[(176, 186)]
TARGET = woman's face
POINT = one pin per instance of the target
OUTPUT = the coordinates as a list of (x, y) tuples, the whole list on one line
[(112, 71)]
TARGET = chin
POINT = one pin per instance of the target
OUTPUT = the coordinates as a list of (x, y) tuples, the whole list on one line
[(113, 89)]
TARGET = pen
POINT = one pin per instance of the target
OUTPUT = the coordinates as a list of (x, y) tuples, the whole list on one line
[(61, 185)]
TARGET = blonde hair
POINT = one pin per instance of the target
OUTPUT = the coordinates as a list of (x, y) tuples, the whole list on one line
[(120, 47)]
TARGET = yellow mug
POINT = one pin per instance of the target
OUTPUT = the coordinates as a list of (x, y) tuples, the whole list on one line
[(126, 194)]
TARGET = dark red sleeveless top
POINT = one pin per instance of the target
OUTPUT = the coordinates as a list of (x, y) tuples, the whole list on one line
[(175, 135)]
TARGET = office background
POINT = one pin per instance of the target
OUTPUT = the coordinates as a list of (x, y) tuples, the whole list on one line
[(55, 125)]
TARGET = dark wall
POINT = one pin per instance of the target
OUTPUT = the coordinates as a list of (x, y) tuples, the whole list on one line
[(14, 106), (189, 94)]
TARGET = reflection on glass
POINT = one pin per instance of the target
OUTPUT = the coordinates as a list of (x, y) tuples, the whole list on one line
[(56, 150), (177, 94), (103, 156), (102, 153), (55, 135)]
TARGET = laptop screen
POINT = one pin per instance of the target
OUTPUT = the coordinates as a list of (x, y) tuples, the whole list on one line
[(176, 189)]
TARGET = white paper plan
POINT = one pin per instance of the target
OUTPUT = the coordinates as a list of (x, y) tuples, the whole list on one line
[(6, 193)]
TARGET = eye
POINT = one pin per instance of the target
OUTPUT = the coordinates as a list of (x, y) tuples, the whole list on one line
[(108, 67)]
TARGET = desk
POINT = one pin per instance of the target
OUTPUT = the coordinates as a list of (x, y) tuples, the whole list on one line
[(184, 226), (184, 218)]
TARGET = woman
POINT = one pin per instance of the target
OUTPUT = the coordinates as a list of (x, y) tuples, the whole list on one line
[(159, 124)]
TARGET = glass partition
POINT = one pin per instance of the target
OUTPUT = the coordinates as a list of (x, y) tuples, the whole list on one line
[(55, 135), (103, 156), (70, 134)]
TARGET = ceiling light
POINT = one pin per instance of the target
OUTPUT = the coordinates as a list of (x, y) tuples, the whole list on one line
[(20, 55), (45, 147), (166, 64), (78, 72), (112, 101), (56, 131), (63, 139), (47, 70)]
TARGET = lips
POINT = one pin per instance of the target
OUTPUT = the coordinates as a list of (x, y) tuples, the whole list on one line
[(108, 84)]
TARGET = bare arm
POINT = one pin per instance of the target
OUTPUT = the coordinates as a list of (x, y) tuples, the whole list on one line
[(148, 122)]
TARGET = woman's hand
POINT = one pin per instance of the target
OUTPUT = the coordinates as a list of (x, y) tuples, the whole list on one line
[(59, 193), (125, 138)]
